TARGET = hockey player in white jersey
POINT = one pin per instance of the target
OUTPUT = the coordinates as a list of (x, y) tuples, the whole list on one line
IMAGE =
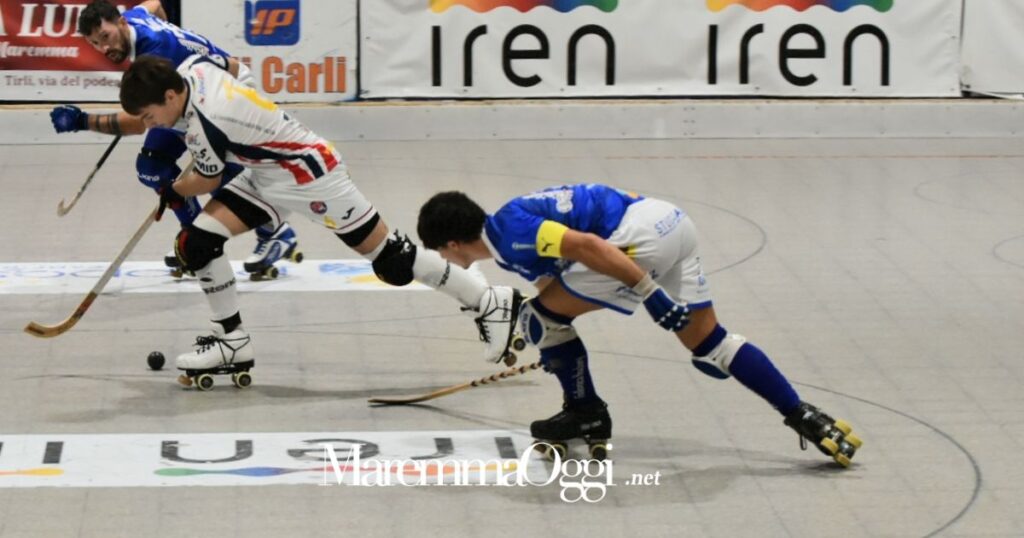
[(288, 168), (141, 30)]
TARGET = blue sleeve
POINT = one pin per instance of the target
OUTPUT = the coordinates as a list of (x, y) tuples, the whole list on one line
[(517, 234)]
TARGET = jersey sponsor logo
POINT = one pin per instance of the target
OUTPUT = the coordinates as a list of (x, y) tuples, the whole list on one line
[(547, 244), (669, 223), (318, 207), (204, 167), (523, 246), (563, 198), (272, 22)]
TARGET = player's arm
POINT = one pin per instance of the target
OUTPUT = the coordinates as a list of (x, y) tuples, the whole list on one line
[(70, 119), (156, 8), (600, 256)]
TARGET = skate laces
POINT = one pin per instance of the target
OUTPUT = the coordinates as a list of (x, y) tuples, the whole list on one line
[(204, 343)]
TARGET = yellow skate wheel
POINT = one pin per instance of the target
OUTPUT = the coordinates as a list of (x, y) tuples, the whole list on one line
[(843, 426), (297, 256), (204, 382), (518, 343), (854, 440), (829, 445), (842, 459), (241, 379), (548, 449)]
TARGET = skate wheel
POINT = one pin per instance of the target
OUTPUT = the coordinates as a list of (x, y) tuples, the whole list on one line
[(510, 359), (204, 382), (297, 256), (176, 273), (842, 459), (854, 441), (518, 343), (241, 379), (549, 449), (271, 272), (829, 445), (185, 380), (843, 426), (599, 451)]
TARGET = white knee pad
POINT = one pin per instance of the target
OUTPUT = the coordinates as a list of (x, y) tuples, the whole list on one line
[(542, 331), (716, 363)]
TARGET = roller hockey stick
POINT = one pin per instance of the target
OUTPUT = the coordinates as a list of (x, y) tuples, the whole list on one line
[(49, 331), (457, 388), (63, 209)]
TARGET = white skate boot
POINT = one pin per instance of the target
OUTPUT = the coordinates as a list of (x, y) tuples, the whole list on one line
[(271, 247), (218, 354), (496, 320)]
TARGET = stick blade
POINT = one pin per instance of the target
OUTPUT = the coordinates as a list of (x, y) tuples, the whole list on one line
[(46, 331), (62, 210)]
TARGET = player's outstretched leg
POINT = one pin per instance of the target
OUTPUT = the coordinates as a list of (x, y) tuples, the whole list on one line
[(588, 421), (832, 437), (271, 246)]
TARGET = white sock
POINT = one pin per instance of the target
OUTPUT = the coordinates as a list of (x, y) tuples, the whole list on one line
[(218, 282), (434, 271)]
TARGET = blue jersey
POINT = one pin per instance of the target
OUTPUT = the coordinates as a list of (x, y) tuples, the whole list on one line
[(525, 235), (153, 35)]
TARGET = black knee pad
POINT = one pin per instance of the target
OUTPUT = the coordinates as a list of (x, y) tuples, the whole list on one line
[(196, 247), (394, 264)]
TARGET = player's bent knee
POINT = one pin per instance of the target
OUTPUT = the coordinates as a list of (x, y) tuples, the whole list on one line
[(723, 347), (543, 328), (196, 247), (394, 264)]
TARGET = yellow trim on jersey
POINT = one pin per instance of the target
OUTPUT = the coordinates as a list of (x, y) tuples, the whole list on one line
[(250, 94), (549, 239)]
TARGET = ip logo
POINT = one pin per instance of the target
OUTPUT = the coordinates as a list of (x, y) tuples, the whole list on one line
[(272, 22)]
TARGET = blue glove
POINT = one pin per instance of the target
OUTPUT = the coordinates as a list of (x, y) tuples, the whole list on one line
[(667, 313), (69, 119)]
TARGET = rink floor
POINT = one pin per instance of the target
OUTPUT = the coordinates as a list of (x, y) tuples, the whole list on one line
[(884, 277)]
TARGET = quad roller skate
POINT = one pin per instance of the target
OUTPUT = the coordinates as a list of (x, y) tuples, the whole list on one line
[(832, 437), (518, 343), (271, 247), (495, 319), (218, 354), (590, 422)]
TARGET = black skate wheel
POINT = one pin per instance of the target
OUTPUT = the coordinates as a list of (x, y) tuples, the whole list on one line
[(204, 382), (518, 343), (599, 451), (297, 256), (854, 441), (241, 379)]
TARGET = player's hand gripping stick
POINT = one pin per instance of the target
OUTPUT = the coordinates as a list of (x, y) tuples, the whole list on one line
[(666, 312)]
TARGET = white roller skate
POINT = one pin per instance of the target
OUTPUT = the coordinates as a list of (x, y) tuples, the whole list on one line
[(218, 354), (496, 319), (271, 247)]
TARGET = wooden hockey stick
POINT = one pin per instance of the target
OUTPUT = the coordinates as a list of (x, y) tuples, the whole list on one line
[(457, 388), (63, 209), (49, 331)]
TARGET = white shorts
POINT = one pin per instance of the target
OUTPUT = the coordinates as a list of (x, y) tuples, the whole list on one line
[(660, 238), (331, 200)]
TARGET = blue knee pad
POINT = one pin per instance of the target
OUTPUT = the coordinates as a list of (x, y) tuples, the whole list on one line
[(156, 166)]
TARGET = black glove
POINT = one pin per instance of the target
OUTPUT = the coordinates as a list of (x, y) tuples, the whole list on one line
[(168, 198)]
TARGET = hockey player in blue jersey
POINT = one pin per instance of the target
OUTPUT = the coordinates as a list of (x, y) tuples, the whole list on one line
[(145, 30), (589, 247)]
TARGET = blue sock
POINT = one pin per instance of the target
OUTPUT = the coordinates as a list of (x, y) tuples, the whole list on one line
[(569, 363), (755, 370)]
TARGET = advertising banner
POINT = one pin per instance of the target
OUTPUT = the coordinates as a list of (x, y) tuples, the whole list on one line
[(44, 58), (298, 50), (993, 47), (558, 48)]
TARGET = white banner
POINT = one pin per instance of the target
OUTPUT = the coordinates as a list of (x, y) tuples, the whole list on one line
[(298, 50), (526, 48), (993, 47)]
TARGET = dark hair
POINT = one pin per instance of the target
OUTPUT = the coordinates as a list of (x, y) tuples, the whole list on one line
[(449, 216), (146, 81), (95, 13)]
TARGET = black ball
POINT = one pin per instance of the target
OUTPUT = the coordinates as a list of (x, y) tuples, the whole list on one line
[(155, 360)]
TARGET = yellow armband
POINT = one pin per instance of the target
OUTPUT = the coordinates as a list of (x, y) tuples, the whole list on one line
[(549, 239)]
